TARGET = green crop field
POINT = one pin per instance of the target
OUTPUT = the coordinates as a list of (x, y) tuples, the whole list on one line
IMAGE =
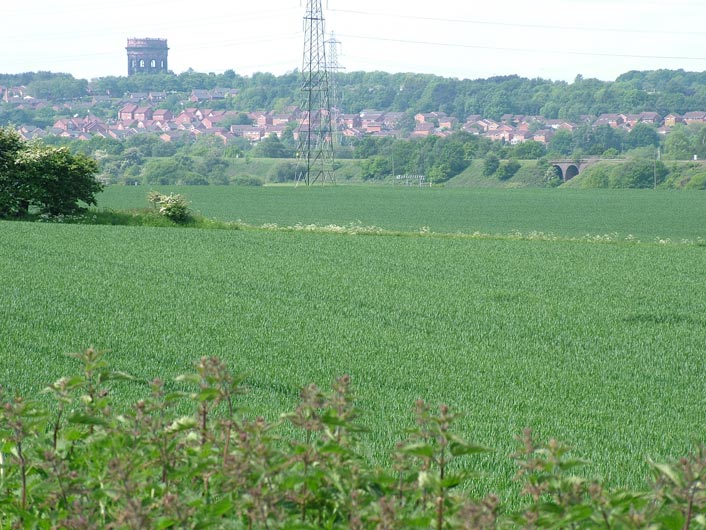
[(602, 345), (643, 214)]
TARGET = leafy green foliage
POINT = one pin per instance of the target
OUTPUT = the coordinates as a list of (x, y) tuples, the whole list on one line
[(174, 207), (507, 169), (491, 163), (50, 179), (246, 180), (271, 147), (663, 91), (635, 173), (192, 458)]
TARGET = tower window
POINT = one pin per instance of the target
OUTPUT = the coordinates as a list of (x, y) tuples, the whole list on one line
[(153, 63), (161, 64), (142, 63)]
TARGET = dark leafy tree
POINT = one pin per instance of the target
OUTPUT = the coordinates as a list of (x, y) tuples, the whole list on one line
[(164, 149), (284, 172), (271, 147), (639, 173), (677, 145), (529, 150), (58, 87), (14, 190), (642, 135), (561, 143), (376, 167), (491, 163), (143, 143), (173, 170), (51, 179), (508, 169)]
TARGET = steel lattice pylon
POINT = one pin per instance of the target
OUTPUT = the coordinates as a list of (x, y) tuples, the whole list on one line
[(335, 96), (315, 131)]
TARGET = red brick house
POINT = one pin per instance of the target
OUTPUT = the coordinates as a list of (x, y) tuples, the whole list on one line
[(423, 129), (670, 120), (162, 115), (695, 117), (143, 113), (127, 112)]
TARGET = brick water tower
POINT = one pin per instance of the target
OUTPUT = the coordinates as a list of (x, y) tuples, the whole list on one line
[(147, 56)]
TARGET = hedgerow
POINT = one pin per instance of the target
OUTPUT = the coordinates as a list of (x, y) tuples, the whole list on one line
[(83, 463)]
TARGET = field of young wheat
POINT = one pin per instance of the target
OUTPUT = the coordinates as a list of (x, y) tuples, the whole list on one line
[(642, 214), (600, 344)]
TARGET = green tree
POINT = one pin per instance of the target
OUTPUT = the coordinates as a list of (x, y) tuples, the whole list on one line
[(62, 179), (439, 173), (529, 150), (639, 173), (491, 163), (51, 179), (561, 143), (57, 87), (508, 169), (677, 145), (13, 188), (284, 171), (271, 147), (143, 143), (172, 170), (376, 167), (642, 135), (164, 149)]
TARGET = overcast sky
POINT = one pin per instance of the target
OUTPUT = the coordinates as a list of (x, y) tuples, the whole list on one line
[(554, 39)]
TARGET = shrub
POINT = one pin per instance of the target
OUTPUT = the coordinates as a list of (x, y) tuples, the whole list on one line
[(508, 169), (284, 172), (246, 180), (174, 206), (697, 182), (638, 173), (552, 177), (491, 163)]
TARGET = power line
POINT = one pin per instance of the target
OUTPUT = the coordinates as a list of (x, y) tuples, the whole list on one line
[(523, 25), (192, 22), (526, 50), (204, 46)]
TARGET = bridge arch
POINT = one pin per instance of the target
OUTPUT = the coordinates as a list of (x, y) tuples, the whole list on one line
[(568, 170)]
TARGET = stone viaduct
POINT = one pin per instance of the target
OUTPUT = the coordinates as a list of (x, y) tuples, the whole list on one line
[(570, 168)]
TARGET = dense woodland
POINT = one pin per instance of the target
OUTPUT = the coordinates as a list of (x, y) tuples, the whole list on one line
[(662, 91)]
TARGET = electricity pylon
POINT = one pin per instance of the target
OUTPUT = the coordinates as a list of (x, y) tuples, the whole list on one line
[(335, 94), (315, 131)]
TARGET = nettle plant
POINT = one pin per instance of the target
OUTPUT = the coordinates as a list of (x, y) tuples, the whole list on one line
[(84, 464), (173, 206)]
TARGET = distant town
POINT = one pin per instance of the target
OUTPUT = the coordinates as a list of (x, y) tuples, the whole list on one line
[(174, 115), (139, 113)]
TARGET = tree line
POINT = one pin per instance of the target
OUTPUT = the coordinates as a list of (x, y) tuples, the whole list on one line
[(146, 159), (662, 91)]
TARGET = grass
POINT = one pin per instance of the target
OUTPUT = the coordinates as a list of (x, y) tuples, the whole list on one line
[(646, 215), (600, 345)]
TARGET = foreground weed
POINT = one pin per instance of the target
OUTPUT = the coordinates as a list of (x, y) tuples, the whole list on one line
[(435, 447), (89, 466)]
